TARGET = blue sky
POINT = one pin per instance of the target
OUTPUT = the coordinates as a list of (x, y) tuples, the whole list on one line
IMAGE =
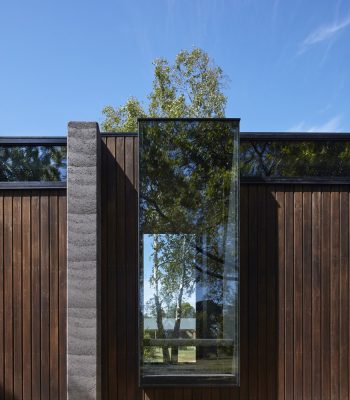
[(288, 61)]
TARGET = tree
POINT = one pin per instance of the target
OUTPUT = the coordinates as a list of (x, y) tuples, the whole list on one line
[(191, 87)]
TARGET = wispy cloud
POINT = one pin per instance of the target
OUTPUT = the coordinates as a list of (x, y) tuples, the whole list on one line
[(332, 125), (323, 33)]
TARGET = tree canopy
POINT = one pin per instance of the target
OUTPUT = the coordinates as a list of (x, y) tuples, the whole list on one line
[(190, 87)]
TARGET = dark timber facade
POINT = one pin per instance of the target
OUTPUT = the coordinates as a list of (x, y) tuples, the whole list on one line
[(294, 304)]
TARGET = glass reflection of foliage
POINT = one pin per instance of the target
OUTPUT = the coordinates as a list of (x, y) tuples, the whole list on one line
[(188, 186), (195, 161), (33, 163), (295, 158)]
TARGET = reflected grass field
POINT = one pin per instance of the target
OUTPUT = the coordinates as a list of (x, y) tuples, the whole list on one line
[(186, 355)]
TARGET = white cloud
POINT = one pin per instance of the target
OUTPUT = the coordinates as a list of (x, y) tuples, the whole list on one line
[(333, 125), (323, 33)]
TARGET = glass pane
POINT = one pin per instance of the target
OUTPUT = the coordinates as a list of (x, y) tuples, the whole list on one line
[(189, 255), (295, 159), (33, 163)]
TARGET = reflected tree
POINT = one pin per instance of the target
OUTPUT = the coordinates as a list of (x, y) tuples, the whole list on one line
[(33, 163), (295, 158), (185, 191)]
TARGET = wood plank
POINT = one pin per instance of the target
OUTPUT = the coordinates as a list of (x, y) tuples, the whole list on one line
[(104, 270), (307, 293), (2, 323), (35, 300), (298, 293), (348, 266), (178, 393), (8, 306), (262, 293), (26, 299), (136, 257), (131, 266), (335, 290), (187, 394), (344, 294), (244, 294), (45, 296), (289, 293), (271, 273), (253, 289), (197, 394), (112, 273), (280, 198), (62, 267), (121, 283), (325, 294), (316, 387), (53, 279), (17, 295)]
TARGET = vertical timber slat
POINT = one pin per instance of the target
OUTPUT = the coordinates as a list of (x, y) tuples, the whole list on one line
[(8, 307), (29, 247), (307, 294), (298, 293), (344, 295), (26, 303), (35, 297), (2, 355)]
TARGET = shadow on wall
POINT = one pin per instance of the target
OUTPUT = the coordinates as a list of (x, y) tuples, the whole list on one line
[(259, 291), (119, 277)]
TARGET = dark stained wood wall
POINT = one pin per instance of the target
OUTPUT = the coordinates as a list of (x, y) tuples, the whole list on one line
[(32, 294), (313, 292), (295, 302), (294, 289)]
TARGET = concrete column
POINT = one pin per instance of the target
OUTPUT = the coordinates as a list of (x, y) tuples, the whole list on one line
[(83, 261)]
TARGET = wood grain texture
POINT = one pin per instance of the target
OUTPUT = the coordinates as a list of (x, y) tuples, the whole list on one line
[(32, 243)]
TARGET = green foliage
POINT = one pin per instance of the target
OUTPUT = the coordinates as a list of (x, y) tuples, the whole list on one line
[(187, 310), (175, 268), (124, 118), (149, 352), (35, 163), (295, 159), (190, 87)]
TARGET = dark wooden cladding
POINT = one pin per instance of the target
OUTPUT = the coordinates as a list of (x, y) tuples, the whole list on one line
[(32, 294), (295, 324), (295, 302)]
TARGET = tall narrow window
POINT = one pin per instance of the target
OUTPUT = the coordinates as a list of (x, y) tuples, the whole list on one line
[(189, 253)]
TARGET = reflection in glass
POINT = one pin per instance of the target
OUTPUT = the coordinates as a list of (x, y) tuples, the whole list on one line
[(33, 163), (284, 158), (189, 256)]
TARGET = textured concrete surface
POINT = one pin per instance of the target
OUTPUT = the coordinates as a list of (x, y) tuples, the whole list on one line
[(83, 258)]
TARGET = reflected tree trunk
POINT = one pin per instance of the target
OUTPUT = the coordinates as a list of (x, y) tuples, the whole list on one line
[(178, 314), (158, 304)]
